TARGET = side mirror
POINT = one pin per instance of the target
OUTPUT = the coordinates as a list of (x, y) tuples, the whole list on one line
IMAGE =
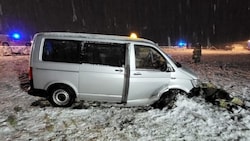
[(167, 67), (178, 64)]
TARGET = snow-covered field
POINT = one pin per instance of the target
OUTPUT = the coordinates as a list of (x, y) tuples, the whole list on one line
[(25, 117)]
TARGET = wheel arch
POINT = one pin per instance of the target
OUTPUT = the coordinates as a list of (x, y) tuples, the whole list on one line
[(60, 84), (177, 87), (168, 89)]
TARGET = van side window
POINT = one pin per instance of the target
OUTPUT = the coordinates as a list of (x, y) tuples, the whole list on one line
[(103, 54), (148, 58), (61, 50)]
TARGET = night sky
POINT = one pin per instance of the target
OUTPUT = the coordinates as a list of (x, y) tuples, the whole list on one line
[(205, 21)]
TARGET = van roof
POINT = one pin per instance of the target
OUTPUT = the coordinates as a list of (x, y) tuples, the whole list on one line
[(93, 36)]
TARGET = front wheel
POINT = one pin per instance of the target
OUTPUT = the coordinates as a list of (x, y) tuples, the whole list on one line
[(168, 99), (62, 96)]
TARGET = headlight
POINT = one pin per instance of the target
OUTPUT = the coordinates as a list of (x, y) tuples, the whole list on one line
[(196, 83)]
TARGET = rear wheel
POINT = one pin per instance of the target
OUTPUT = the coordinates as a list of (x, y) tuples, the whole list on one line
[(61, 96)]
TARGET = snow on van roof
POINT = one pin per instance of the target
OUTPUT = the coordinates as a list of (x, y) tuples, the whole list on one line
[(94, 36)]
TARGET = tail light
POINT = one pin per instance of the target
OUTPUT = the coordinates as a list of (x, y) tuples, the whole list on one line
[(30, 74)]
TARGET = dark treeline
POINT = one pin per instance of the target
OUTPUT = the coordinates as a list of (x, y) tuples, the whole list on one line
[(206, 21)]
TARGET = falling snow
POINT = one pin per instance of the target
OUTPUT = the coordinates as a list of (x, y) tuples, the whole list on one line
[(25, 117)]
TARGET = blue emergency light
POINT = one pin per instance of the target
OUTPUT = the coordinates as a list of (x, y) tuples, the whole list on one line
[(16, 36), (182, 44)]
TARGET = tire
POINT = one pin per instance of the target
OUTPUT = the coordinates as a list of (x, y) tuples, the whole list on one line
[(168, 99), (61, 96), (5, 44)]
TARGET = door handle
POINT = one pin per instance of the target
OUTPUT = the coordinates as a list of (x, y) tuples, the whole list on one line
[(137, 73), (119, 70)]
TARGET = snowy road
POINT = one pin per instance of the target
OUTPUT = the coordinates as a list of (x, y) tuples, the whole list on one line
[(24, 117)]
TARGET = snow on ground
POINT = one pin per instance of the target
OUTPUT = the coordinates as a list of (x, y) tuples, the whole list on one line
[(23, 117)]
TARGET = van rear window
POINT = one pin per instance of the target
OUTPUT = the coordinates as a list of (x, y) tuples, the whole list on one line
[(110, 54), (61, 50)]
